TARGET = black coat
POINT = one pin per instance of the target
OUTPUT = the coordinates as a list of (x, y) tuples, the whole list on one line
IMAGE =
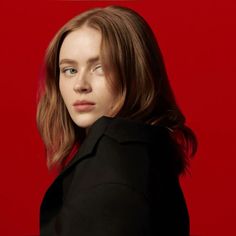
[(121, 182)]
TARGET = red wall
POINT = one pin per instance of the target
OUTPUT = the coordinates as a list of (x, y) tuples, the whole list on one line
[(198, 42)]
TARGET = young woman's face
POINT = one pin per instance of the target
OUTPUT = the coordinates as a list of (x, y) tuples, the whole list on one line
[(82, 82)]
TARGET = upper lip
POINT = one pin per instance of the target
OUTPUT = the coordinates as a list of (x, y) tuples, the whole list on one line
[(82, 102)]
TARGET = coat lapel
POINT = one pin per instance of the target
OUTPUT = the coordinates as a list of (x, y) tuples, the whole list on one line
[(95, 133)]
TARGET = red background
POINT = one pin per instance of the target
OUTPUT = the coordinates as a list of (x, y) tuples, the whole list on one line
[(198, 43)]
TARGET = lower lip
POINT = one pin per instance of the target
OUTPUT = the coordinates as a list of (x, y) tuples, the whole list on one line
[(84, 107)]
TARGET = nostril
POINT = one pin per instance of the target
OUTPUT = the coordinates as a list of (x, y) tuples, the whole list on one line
[(82, 88)]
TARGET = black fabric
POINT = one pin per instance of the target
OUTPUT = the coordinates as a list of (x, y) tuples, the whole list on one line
[(120, 183)]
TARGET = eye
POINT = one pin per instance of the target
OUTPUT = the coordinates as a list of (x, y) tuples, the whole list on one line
[(98, 70), (69, 71)]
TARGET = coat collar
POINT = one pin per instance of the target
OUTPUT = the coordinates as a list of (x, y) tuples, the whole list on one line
[(94, 134), (120, 129)]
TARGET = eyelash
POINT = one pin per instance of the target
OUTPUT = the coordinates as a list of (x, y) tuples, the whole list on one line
[(97, 67)]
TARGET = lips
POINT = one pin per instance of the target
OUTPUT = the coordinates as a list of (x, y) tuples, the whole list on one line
[(83, 105), (83, 102)]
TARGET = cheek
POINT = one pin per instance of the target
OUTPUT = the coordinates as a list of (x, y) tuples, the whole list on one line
[(105, 94), (110, 101)]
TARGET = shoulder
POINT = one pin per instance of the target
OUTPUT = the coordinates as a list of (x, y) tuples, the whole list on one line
[(150, 145), (134, 141), (125, 130), (119, 158)]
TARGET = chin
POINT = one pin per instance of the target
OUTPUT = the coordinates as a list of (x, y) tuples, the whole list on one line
[(85, 120)]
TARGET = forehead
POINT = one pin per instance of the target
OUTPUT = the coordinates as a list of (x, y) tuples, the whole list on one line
[(81, 44)]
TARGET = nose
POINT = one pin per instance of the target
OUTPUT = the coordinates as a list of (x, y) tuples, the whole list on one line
[(81, 84)]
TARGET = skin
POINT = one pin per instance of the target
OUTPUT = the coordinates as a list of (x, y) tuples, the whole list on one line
[(82, 78)]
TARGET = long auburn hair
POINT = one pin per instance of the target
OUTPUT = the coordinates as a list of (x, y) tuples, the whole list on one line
[(136, 70)]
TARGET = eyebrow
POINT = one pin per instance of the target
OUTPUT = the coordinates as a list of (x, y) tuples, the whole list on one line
[(73, 62)]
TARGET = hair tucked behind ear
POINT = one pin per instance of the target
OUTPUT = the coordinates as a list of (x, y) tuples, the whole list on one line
[(133, 65)]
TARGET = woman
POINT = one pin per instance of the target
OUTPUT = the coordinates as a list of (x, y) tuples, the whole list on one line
[(107, 94)]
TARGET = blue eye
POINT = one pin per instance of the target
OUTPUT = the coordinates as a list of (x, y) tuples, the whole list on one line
[(69, 71)]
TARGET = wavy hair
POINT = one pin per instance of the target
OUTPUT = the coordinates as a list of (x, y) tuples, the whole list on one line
[(131, 52)]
